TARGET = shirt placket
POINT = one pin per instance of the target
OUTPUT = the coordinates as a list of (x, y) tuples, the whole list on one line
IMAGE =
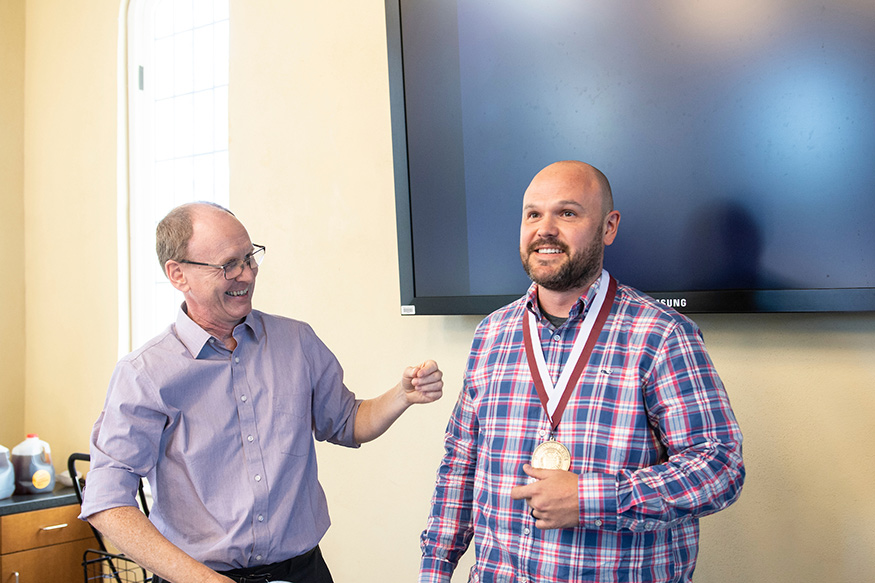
[(254, 454), (555, 354)]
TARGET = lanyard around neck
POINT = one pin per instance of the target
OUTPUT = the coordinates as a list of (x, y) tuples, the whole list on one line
[(555, 398)]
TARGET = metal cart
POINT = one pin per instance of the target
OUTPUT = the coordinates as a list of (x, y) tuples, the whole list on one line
[(112, 568)]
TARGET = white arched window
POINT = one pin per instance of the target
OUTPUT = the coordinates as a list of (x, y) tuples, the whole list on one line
[(177, 140)]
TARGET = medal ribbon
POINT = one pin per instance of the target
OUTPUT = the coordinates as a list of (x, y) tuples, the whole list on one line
[(587, 336)]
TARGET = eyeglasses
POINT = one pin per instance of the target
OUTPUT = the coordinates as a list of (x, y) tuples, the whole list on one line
[(234, 268)]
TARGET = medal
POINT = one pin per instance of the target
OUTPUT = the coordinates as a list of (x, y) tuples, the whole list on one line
[(551, 455)]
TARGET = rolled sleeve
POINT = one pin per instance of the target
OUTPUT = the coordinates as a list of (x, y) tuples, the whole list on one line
[(124, 442)]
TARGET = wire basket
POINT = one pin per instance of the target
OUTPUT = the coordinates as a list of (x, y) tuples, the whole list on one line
[(112, 568)]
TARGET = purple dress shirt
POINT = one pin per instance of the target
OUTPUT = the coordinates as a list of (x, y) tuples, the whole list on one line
[(226, 439)]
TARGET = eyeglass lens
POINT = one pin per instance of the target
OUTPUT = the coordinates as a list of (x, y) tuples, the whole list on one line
[(235, 268)]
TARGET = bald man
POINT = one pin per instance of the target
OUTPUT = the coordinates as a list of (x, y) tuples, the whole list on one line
[(592, 431)]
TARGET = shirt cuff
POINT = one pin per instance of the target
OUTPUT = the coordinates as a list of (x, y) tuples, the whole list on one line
[(107, 488), (598, 501), (434, 570)]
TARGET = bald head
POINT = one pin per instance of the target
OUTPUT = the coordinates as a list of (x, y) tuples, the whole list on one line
[(577, 176)]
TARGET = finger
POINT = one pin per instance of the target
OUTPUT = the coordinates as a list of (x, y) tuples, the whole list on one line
[(533, 472), (426, 368), (520, 493)]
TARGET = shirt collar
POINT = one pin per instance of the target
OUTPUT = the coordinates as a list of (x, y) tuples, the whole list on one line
[(577, 310), (195, 338)]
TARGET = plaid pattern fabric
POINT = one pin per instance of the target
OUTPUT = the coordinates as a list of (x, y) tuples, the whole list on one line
[(651, 434)]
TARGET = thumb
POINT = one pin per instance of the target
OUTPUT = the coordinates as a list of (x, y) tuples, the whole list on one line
[(534, 472)]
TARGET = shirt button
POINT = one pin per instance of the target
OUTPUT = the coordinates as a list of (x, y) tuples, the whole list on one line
[(557, 337), (257, 557), (542, 432), (598, 523), (243, 398), (236, 359), (257, 477), (261, 518), (526, 531), (250, 439)]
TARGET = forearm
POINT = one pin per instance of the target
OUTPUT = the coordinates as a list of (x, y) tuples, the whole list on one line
[(376, 415), (129, 530)]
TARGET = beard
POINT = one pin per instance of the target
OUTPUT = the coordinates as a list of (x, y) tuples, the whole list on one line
[(579, 269)]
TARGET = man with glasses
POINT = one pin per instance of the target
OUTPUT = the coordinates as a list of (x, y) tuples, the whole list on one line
[(219, 413)]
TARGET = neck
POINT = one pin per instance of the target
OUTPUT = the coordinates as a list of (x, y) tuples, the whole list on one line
[(559, 303)]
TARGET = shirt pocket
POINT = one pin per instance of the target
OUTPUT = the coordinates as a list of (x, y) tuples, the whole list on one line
[(293, 434)]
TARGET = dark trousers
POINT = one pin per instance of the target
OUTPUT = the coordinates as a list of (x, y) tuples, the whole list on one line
[(307, 568)]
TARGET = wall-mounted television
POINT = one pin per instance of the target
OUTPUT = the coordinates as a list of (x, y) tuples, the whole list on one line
[(738, 136)]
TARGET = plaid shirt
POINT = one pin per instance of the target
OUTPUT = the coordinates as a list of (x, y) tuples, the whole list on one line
[(651, 434)]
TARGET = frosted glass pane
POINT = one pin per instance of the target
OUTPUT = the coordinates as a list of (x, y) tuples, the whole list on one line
[(221, 10), (203, 122), (182, 15), (183, 121), (220, 119), (204, 177), (182, 63), (202, 13), (183, 174), (162, 185), (164, 129), (163, 19), (203, 67), (160, 74), (221, 49), (222, 178)]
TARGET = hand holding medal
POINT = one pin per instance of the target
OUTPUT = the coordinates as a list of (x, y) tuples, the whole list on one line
[(551, 455)]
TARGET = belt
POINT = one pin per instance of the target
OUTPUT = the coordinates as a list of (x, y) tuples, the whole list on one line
[(274, 572)]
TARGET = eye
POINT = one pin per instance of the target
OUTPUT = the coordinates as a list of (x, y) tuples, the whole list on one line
[(233, 264), (568, 213)]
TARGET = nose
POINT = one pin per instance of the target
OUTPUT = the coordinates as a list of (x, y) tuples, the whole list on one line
[(249, 272), (547, 227)]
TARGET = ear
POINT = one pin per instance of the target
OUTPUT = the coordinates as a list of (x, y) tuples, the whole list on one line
[(611, 224), (174, 273)]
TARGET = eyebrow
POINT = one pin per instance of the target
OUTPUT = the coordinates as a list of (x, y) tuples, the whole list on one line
[(560, 203)]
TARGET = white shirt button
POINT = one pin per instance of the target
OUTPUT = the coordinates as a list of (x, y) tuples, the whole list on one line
[(557, 337), (257, 477), (257, 557), (261, 518), (243, 398), (250, 439), (598, 523), (236, 359), (526, 531)]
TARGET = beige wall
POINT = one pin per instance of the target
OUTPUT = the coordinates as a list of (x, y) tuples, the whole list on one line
[(12, 220), (311, 176)]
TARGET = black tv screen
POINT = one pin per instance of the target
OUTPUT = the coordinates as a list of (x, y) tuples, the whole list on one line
[(738, 136)]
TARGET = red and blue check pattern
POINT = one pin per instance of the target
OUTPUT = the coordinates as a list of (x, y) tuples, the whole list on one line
[(651, 434)]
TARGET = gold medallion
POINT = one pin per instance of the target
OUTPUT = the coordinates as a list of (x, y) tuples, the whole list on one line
[(551, 455)]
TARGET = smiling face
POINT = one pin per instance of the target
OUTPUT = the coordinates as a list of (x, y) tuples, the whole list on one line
[(567, 221), (216, 304)]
